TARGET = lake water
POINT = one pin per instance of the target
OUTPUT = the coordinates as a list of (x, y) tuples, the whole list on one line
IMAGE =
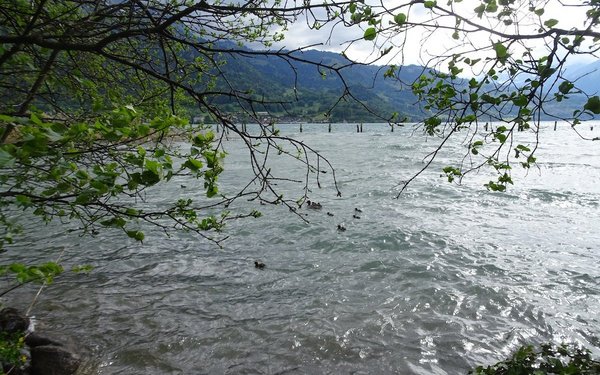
[(436, 282)]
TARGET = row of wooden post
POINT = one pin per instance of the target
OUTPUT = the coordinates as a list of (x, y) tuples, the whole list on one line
[(359, 127)]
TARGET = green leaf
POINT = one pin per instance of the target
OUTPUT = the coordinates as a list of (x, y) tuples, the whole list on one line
[(431, 123), (193, 164), (370, 33), (149, 178), (115, 222), (153, 166), (565, 87), (23, 200), (6, 118), (211, 190), (479, 10), (36, 120), (593, 105), (136, 235), (400, 18), (495, 187), (6, 159), (501, 51), (520, 101), (132, 212), (85, 197), (492, 7), (550, 23), (429, 4)]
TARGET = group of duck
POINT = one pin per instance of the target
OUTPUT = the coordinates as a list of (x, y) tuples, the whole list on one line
[(317, 206)]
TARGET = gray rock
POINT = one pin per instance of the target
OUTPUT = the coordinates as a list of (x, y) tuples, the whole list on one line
[(15, 370), (12, 321), (53, 360), (37, 339)]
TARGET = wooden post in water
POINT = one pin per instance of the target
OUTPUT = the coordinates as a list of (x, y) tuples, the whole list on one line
[(357, 129), (361, 129), (554, 125), (329, 128), (486, 126), (300, 127), (392, 126)]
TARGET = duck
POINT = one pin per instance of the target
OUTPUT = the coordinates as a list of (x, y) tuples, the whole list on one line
[(259, 265), (341, 228), (313, 205), (357, 209), (356, 216), (329, 214)]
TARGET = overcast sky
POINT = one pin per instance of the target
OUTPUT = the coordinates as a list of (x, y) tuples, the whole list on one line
[(418, 49)]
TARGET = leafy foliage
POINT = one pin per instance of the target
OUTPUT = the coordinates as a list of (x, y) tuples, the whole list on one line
[(41, 273), (549, 359), (11, 346), (517, 76), (93, 102)]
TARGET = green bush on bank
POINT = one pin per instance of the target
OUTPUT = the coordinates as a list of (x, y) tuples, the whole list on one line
[(565, 359)]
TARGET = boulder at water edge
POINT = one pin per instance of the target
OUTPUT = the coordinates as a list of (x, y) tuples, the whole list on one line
[(52, 354), (53, 360), (12, 321)]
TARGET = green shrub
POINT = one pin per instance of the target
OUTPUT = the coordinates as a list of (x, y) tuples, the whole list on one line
[(565, 359)]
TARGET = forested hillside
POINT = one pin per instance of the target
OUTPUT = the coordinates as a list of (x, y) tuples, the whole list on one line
[(298, 91), (305, 92)]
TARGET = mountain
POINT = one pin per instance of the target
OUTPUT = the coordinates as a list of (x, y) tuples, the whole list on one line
[(585, 76), (312, 93)]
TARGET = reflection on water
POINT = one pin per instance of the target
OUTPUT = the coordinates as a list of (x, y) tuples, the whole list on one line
[(435, 282)]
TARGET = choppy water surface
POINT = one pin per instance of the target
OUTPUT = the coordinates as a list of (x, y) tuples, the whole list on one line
[(436, 282)]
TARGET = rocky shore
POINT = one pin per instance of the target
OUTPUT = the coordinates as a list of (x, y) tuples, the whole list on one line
[(47, 353)]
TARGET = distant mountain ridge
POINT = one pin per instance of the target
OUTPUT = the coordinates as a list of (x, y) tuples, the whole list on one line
[(312, 93), (585, 76)]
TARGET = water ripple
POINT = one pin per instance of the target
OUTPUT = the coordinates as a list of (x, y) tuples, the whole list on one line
[(442, 279)]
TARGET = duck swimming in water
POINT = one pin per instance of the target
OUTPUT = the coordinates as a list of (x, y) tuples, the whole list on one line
[(313, 205), (259, 265), (341, 228)]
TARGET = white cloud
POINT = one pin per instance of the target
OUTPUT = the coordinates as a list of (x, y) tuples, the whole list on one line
[(418, 45)]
